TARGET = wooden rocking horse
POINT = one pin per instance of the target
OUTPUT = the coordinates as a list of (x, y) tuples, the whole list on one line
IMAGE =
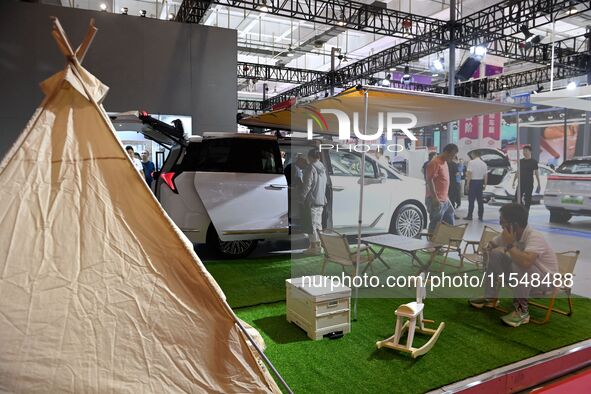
[(412, 312)]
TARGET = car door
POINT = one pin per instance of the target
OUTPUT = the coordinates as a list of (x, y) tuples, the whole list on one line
[(241, 183), (345, 177)]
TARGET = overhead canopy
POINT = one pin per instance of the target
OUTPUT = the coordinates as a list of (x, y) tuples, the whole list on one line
[(577, 98), (99, 291), (429, 109)]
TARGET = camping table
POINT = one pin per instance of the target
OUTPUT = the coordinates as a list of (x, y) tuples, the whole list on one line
[(410, 246)]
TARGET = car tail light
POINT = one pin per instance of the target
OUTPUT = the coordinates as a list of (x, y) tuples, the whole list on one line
[(168, 178)]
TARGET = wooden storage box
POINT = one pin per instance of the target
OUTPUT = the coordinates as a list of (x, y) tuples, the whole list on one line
[(317, 309)]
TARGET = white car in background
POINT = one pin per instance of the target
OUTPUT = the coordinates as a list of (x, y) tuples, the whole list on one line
[(568, 192), (229, 191), (506, 191)]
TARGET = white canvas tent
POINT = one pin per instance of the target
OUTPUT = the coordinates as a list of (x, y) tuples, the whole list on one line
[(98, 290)]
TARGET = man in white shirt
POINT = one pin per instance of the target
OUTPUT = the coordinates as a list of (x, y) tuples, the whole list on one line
[(476, 179), (136, 162), (519, 258)]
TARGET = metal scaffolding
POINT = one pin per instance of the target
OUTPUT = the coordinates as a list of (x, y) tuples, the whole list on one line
[(425, 35), (345, 14), (267, 72)]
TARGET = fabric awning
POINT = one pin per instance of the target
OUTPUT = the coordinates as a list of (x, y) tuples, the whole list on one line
[(577, 98), (429, 109)]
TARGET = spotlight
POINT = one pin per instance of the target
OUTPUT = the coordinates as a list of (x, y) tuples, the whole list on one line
[(550, 117), (531, 39), (561, 115), (531, 118), (143, 13), (392, 68), (571, 85), (406, 28), (341, 21), (103, 7), (406, 76), (386, 80), (290, 52), (171, 16), (263, 7), (478, 52), (124, 10), (572, 9), (539, 89), (434, 75), (438, 65), (406, 72)]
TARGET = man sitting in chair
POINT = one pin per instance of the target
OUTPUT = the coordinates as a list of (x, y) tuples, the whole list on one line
[(520, 250)]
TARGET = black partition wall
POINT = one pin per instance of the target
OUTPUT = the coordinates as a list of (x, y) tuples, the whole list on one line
[(160, 66)]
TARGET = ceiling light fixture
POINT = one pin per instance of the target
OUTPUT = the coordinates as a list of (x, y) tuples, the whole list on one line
[(143, 13), (263, 7), (103, 7), (406, 28), (406, 76), (341, 21), (478, 51), (531, 39), (572, 9), (571, 85), (386, 80), (290, 52), (438, 64), (531, 118), (124, 10), (171, 16)]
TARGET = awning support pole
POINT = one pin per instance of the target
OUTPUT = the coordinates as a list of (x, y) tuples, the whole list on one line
[(360, 220)]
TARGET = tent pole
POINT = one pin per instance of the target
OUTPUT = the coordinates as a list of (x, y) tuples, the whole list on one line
[(518, 160), (262, 354), (362, 181)]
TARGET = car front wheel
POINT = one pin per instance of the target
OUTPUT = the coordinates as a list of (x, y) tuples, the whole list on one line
[(408, 221), (229, 249)]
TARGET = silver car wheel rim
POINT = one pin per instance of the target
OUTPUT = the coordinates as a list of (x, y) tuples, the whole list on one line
[(234, 247), (409, 223)]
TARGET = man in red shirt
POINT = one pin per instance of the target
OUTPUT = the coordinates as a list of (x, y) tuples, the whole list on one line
[(437, 179)]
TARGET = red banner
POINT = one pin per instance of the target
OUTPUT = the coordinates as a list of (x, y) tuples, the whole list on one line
[(492, 126), (469, 128)]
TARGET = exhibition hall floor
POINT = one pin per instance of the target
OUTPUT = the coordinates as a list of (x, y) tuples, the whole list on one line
[(472, 342)]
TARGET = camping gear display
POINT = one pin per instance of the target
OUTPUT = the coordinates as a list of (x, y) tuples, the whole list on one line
[(317, 307), (413, 314), (99, 290)]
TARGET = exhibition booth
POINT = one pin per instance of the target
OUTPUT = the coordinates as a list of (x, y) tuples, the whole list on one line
[(106, 287)]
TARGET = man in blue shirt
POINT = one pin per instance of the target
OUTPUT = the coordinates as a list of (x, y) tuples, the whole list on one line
[(149, 167)]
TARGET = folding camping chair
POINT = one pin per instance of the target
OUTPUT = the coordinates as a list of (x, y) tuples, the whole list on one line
[(337, 250), (477, 256), (450, 237), (566, 265)]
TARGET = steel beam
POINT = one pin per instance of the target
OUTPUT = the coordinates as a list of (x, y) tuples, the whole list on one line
[(341, 13), (267, 72), (250, 105)]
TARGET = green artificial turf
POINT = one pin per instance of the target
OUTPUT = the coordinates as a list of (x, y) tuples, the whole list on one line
[(472, 342)]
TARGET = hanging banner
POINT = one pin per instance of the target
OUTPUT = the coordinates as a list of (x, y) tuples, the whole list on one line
[(468, 136), (469, 128), (491, 130)]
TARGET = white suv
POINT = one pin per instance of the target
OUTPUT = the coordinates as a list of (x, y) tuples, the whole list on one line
[(229, 190), (568, 191)]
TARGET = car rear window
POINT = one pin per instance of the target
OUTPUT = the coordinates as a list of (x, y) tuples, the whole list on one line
[(575, 167), (233, 155)]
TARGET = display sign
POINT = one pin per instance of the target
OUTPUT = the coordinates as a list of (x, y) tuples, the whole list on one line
[(491, 130), (469, 128)]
